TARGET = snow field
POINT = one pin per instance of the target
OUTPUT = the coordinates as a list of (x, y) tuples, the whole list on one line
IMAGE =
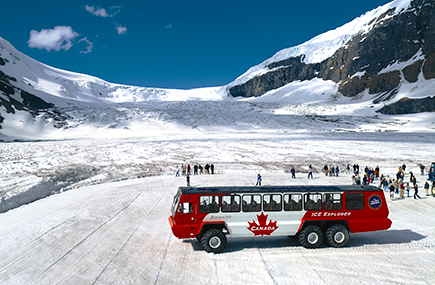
[(118, 233), (33, 170)]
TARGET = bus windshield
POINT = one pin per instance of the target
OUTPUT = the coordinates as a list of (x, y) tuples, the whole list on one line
[(175, 202)]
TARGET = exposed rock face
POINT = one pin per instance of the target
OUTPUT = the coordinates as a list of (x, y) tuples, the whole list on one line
[(409, 106), (412, 71), (29, 102), (392, 39)]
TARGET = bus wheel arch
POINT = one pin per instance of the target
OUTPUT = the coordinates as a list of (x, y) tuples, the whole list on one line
[(208, 226), (310, 236), (337, 235), (213, 240)]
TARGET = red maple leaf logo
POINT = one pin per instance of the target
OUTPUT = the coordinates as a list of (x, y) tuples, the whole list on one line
[(262, 228)]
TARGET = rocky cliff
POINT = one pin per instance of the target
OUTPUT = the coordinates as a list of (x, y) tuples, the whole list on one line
[(398, 48)]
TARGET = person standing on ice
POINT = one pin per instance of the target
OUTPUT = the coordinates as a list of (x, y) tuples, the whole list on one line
[(392, 191), (416, 191), (426, 188), (401, 189), (384, 183), (310, 172), (188, 180), (177, 173), (407, 188), (358, 179), (337, 170), (293, 171), (258, 180), (365, 179), (422, 169), (377, 172), (412, 178)]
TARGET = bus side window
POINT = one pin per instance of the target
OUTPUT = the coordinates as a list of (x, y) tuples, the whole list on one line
[(272, 202), (209, 204), (251, 203), (185, 208), (292, 202), (231, 203), (332, 201), (354, 201), (313, 202)]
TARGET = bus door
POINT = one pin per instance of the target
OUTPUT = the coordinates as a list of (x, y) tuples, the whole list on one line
[(185, 210)]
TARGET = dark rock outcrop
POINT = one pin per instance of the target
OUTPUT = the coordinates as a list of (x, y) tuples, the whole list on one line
[(29, 103), (409, 106), (412, 71), (392, 39)]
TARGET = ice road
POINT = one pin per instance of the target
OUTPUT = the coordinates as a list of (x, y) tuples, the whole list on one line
[(118, 233)]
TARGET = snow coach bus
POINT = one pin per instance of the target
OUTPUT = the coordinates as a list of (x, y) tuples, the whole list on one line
[(431, 176), (311, 213)]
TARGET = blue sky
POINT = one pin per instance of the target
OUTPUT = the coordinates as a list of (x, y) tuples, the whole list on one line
[(168, 43)]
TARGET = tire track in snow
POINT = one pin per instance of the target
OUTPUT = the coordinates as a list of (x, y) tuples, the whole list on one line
[(129, 238), (36, 248), (267, 268), (89, 235), (163, 259)]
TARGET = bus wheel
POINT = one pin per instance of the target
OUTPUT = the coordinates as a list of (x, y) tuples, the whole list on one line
[(214, 241), (337, 236), (310, 237)]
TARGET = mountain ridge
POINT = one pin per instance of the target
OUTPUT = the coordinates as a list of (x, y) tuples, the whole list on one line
[(362, 61), (383, 61)]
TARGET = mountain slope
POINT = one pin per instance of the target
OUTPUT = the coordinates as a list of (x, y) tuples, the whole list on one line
[(388, 54), (383, 61)]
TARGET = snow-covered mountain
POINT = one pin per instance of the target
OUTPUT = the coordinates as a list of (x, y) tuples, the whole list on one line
[(382, 61), (383, 56)]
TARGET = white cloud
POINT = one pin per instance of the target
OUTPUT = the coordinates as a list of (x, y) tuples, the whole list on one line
[(168, 26), (54, 39), (89, 47), (121, 30), (101, 12)]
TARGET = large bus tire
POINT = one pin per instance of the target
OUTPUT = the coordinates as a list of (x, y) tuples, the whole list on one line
[(337, 236), (214, 241), (310, 237)]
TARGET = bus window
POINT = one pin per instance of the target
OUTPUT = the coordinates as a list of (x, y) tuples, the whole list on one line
[(209, 204), (332, 201), (354, 201), (292, 202), (272, 202), (251, 203), (185, 208), (313, 202), (231, 203)]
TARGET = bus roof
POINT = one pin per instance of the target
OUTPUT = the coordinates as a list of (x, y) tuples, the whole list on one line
[(266, 189)]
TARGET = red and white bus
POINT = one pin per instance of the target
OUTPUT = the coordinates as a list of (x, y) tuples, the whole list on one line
[(312, 213)]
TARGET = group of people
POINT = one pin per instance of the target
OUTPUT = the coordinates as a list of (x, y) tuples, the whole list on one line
[(197, 169), (369, 176), (397, 187), (331, 170), (186, 170), (310, 172)]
